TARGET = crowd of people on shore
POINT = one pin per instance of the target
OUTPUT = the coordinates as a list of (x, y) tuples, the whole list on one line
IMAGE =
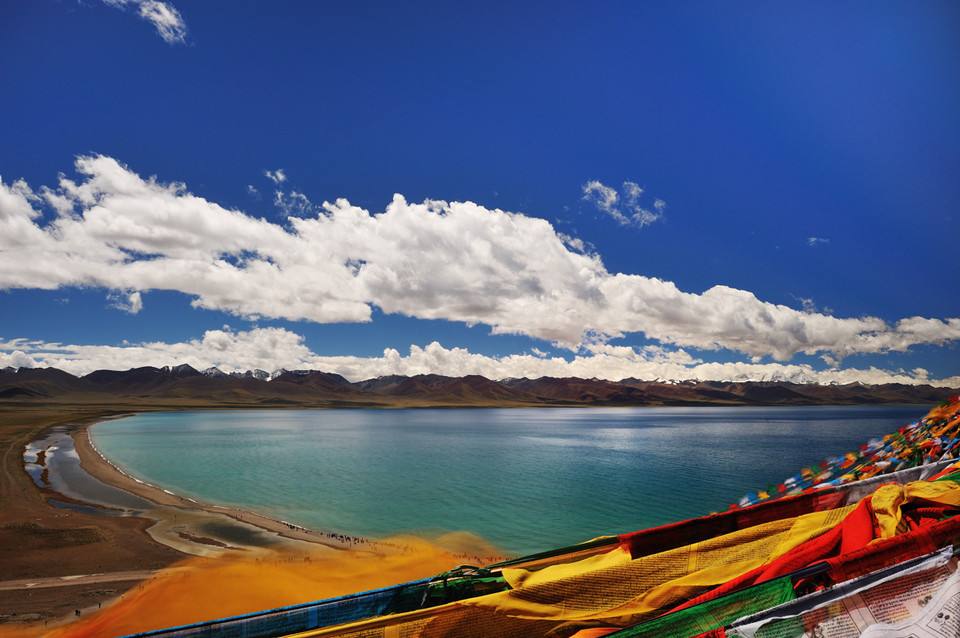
[(374, 544)]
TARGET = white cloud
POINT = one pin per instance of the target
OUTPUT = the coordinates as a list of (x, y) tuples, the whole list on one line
[(624, 207), (166, 19), (575, 242), (18, 359), (808, 305), (61, 204), (274, 348), (816, 241), (605, 198), (131, 302), (277, 177), (162, 15), (434, 260), (293, 203)]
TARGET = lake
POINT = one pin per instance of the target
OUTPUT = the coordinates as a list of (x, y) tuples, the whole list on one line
[(524, 479)]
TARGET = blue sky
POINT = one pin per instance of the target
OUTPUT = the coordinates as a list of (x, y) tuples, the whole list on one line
[(760, 126)]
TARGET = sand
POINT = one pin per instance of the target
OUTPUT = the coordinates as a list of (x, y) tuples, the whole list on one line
[(40, 541), (55, 562), (192, 515)]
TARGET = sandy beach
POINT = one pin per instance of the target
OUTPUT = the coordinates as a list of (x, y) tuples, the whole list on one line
[(180, 516), (40, 541), (61, 554)]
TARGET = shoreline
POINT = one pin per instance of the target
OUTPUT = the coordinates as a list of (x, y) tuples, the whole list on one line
[(298, 537), (143, 540), (90, 551), (97, 465), (43, 536)]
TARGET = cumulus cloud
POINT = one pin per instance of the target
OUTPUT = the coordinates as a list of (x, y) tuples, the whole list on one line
[(274, 348), (624, 207), (456, 261), (17, 359), (813, 242), (162, 15)]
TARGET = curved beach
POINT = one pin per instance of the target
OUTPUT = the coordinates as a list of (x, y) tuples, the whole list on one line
[(63, 554), (197, 513)]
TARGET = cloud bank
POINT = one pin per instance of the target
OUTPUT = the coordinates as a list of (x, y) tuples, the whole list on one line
[(274, 348), (457, 261)]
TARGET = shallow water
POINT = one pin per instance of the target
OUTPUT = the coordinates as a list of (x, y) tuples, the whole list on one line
[(52, 462), (65, 475), (525, 479)]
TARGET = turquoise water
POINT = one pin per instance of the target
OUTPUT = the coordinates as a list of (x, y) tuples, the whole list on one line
[(525, 479)]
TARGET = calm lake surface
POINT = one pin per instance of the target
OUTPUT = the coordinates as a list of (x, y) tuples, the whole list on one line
[(525, 479)]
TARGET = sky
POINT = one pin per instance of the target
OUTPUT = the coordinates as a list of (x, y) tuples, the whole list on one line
[(652, 190)]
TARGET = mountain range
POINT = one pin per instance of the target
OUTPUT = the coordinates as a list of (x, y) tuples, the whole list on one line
[(184, 384)]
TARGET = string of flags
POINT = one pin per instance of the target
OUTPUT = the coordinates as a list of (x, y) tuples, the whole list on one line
[(934, 437)]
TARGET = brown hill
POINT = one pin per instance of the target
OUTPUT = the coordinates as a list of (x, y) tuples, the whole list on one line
[(138, 381), (186, 385), (37, 382), (442, 389), (572, 390)]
